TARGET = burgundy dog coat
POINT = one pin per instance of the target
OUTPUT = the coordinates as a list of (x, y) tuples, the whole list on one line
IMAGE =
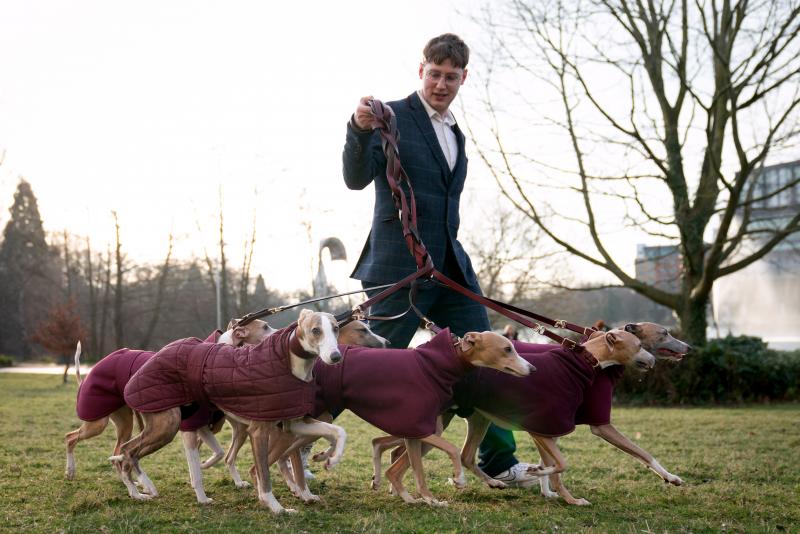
[(400, 391), (545, 402), (254, 381), (102, 392)]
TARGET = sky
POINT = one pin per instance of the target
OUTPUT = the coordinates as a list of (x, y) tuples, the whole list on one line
[(151, 109)]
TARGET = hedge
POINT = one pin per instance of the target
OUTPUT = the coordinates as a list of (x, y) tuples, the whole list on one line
[(734, 369)]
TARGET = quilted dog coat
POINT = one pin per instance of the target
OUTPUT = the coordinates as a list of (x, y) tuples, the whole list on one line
[(545, 402), (400, 391), (102, 392), (254, 381)]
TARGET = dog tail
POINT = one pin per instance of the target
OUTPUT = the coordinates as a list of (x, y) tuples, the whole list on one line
[(78, 363)]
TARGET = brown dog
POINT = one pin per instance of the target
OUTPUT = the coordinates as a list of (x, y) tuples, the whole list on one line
[(186, 371)]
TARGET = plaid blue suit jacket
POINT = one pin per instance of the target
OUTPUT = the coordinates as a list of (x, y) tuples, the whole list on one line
[(385, 257)]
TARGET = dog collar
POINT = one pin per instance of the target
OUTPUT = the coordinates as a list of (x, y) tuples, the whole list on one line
[(586, 355), (296, 348)]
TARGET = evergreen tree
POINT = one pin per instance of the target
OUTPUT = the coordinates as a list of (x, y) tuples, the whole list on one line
[(26, 265)]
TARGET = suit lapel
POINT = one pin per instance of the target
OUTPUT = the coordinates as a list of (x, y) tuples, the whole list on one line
[(425, 126), (459, 171)]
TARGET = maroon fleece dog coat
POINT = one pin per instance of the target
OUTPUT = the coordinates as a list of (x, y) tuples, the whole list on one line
[(102, 392), (400, 391), (545, 402), (254, 381)]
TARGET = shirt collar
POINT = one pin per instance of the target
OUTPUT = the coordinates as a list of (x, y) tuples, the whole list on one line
[(448, 118)]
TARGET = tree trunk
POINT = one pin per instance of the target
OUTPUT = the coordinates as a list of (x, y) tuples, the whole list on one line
[(694, 320)]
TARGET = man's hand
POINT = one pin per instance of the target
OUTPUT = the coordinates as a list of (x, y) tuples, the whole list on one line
[(363, 116)]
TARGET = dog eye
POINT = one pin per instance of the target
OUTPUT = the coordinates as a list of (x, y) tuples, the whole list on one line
[(335, 328), (316, 331), (507, 349)]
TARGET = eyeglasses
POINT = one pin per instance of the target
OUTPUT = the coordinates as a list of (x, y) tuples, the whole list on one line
[(451, 78)]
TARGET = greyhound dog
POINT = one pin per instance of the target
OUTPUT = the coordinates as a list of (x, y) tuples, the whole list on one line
[(596, 407), (546, 408), (100, 396), (353, 333), (403, 391), (260, 384)]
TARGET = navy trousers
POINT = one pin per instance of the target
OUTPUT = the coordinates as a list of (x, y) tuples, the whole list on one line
[(446, 308)]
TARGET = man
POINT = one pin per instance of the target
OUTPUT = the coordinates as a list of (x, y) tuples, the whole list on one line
[(432, 154)]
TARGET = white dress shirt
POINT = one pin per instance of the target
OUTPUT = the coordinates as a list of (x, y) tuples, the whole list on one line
[(443, 126)]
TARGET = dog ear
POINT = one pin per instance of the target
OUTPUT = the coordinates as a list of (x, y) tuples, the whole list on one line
[(469, 340), (596, 334), (611, 339), (632, 328)]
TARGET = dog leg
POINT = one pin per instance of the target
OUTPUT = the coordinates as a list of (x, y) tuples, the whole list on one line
[(333, 433), (414, 454), (477, 425), (620, 441), (123, 422), (237, 440), (304, 493), (259, 432), (379, 445), (195, 472), (159, 429), (88, 429), (551, 456), (458, 479), (207, 436)]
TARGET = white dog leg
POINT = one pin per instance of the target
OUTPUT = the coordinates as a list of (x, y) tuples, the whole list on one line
[(195, 472), (333, 433)]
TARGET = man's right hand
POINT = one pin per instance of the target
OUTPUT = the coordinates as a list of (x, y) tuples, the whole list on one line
[(363, 116)]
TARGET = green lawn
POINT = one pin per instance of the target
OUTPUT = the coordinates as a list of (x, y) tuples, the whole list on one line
[(741, 467)]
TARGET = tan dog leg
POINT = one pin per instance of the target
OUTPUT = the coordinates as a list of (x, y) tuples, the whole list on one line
[(477, 425), (237, 440), (379, 446), (620, 441), (195, 472), (259, 432), (87, 430), (414, 454), (207, 436), (159, 429), (552, 458)]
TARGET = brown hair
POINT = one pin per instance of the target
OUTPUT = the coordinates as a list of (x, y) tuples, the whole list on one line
[(444, 47)]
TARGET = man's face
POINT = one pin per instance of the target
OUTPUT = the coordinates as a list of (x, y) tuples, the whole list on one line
[(440, 83)]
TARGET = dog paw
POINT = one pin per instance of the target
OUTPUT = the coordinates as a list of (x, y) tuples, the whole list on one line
[(70, 475), (496, 484), (549, 494), (674, 480), (141, 496), (434, 502), (322, 456), (243, 484), (310, 498), (581, 502), (459, 482), (207, 500)]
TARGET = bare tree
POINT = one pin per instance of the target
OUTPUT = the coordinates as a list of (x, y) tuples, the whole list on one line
[(155, 313), (118, 287), (664, 112), (247, 262)]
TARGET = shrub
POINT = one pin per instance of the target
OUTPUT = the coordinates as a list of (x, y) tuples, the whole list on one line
[(6, 361), (734, 369)]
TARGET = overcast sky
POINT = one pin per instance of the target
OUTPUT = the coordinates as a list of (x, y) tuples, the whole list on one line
[(146, 108)]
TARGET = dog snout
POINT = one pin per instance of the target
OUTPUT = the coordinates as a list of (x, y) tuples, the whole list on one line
[(336, 356), (531, 367)]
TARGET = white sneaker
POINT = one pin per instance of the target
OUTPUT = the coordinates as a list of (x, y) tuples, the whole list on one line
[(517, 476)]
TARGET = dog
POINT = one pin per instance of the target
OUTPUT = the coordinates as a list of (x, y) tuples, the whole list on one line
[(100, 397), (355, 333), (545, 405), (258, 385), (403, 391), (596, 407)]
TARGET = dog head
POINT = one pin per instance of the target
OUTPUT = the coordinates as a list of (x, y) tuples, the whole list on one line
[(620, 347), (358, 333), (658, 341), (489, 349), (318, 333), (250, 334)]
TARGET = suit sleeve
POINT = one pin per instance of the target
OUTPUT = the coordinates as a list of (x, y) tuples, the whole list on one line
[(362, 157)]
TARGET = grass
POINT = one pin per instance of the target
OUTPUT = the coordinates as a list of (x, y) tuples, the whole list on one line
[(740, 467)]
